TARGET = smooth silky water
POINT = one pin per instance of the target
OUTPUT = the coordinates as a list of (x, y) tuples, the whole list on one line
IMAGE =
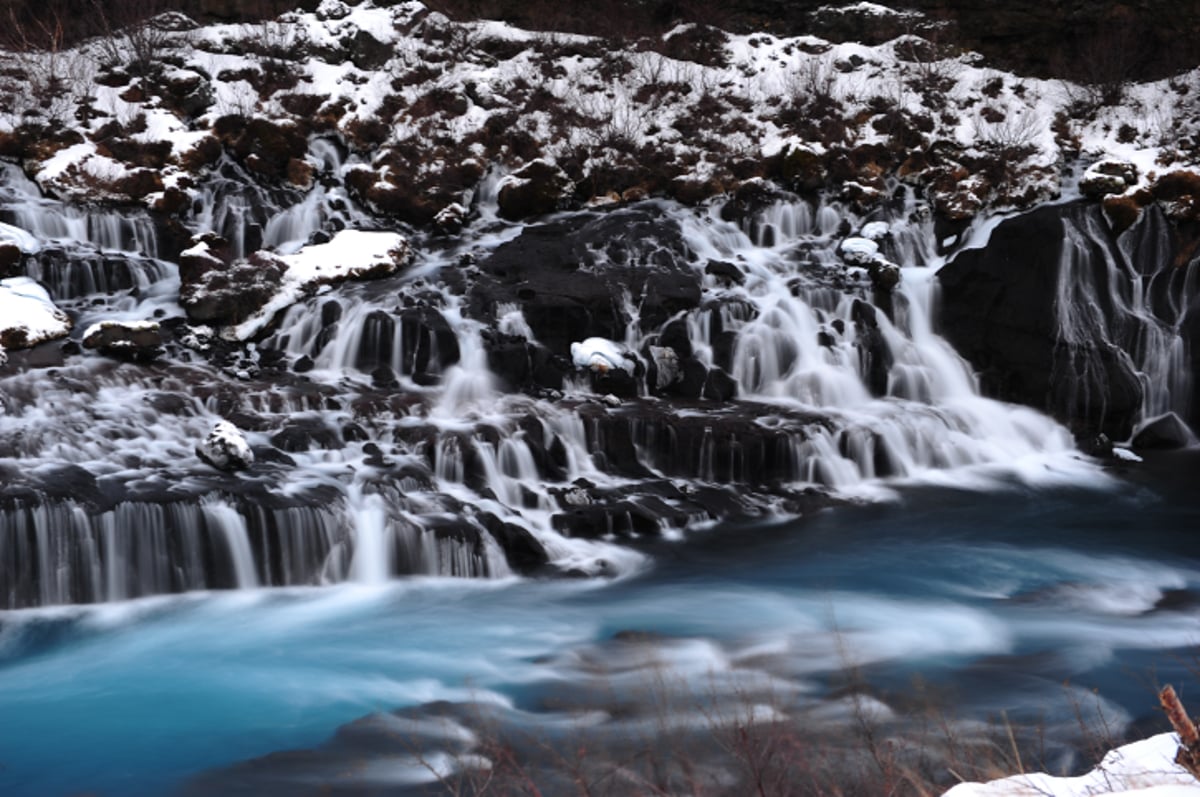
[(991, 559), (1018, 600)]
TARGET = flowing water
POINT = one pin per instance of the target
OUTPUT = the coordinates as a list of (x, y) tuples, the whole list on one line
[(404, 533), (1017, 600)]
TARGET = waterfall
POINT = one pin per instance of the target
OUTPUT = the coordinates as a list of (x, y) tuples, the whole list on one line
[(372, 557), (1107, 318), (390, 447), (897, 391), (229, 523)]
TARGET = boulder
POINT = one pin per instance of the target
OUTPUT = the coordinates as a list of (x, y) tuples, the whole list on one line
[(232, 293), (225, 448), (10, 259), (1167, 431), (569, 278), (1108, 176), (534, 190), (125, 340), (666, 368), (28, 316)]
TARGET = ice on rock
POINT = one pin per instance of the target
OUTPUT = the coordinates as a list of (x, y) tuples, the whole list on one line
[(602, 355), (27, 314), (226, 448)]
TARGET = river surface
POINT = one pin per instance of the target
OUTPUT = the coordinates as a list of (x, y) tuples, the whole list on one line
[(1043, 603)]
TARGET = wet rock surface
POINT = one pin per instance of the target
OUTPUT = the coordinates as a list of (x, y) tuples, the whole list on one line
[(1002, 310)]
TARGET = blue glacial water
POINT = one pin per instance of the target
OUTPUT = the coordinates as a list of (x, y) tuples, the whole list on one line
[(1016, 600)]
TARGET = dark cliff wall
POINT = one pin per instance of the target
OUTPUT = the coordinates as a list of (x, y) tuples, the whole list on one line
[(999, 309)]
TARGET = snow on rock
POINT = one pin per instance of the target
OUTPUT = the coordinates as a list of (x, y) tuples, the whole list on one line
[(875, 230), (859, 251), (451, 218), (332, 10), (1108, 176), (25, 241), (126, 340), (351, 254), (27, 314), (423, 137), (1125, 454), (602, 355), (1145, 768), (225, 448)]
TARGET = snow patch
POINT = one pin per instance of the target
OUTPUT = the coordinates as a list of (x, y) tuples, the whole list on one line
[(27, 314), (602, 355), (348, 255), (1142, 768)]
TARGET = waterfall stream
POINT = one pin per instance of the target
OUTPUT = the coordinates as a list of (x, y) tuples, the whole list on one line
[(390, 440)]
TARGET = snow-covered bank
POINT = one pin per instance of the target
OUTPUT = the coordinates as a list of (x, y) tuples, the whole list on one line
[(428, 107), (1145, 768)]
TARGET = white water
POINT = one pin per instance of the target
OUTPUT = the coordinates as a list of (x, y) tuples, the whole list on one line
[(232, 526), (474, 455), (932, 416), (1110, 307)]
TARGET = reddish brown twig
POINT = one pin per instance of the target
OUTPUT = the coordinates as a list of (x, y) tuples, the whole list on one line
[(1188, 756)]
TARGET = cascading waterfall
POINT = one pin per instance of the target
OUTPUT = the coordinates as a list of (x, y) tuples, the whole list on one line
[(1105, 310), (226, 521), (808, 345), (396, 451), (50, 222)]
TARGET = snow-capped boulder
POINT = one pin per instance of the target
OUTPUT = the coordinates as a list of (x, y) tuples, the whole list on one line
[(27, 314), (332, 10), (1108, 176), (884, 274), (859, 251), (600, 355), (245, 295), (226, 448), (125, 340), (450, 219), (536, 189), (875, 230)]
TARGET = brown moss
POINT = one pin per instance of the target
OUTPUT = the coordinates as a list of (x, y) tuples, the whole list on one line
[(138, 183), (300, 173), (204, 153), (1122, 211), (1176, 184)]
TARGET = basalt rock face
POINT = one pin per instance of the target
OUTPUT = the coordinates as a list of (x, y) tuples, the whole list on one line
[(570, 278), (998, 306), (1059, 313)]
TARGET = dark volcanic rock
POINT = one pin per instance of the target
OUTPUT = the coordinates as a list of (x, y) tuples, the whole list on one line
[(999, 311), (569, 277), (1165, 431), (535, 190), (138, 341)]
